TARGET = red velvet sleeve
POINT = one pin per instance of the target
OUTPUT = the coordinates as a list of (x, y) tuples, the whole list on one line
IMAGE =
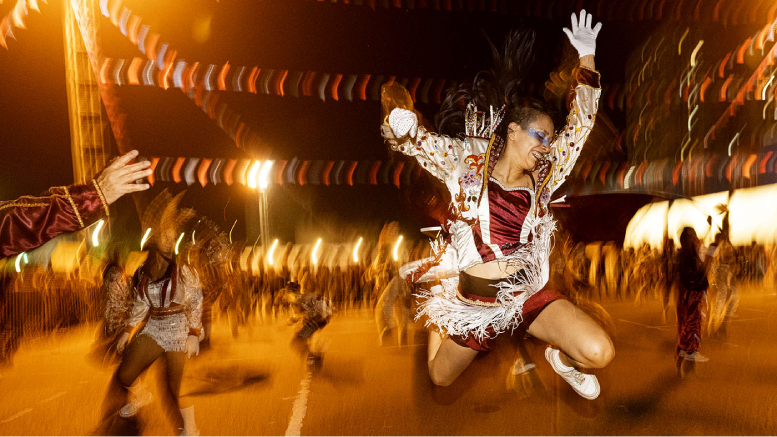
[(29, 221)]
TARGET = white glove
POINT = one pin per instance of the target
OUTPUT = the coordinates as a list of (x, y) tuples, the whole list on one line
[(192, 346), (403, 122), (582, 37)]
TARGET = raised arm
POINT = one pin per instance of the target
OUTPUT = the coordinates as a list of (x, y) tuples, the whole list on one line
[(567, 147), (437, 154), (30, 221)]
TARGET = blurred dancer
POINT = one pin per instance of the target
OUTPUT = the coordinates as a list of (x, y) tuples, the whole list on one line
[(117, 296), (724, 284), (169, 299), (209, 255), (30, 221), (392, 309), (312, 313), (493, 266), (692, 265)]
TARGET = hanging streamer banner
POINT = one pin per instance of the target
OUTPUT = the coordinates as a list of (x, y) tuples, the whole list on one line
[(690, 177)]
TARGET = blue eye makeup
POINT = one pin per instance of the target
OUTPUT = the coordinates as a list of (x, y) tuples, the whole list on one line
[(540, 136)]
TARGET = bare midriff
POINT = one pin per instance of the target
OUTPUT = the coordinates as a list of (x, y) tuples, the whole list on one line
[(491, 270)]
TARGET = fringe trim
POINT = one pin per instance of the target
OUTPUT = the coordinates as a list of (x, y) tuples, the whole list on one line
[(453, 316)]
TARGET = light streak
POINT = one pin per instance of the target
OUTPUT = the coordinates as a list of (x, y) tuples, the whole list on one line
[(178, 74), (96, 233), (230, 231), (626, 184), (763, 94), (145, 238), (356, 250), (695, 52), (731, 144), (690, 117), (263, 178), (771, 99), (270, 253), (251, 179), (682, 38), (314, 254), (396, 248), (178, 243), (18, 261)]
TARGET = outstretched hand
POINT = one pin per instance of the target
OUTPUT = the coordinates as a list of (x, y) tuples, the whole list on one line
[(582, 36), (118, 178), (403, 122)]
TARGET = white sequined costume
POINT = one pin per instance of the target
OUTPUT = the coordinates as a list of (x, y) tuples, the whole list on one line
[(465, 166), (173, 311)]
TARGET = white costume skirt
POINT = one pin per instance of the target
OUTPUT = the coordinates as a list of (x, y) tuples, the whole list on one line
[(169, 332)]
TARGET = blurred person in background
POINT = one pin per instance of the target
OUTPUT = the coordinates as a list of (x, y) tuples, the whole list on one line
[(117, 296), (693, 263), (168, 298), (209, 255), (392, 309), (723, 273), (311, 313), (724, 302)]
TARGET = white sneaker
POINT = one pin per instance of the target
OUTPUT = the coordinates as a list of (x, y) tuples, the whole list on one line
[(135, 405), (696, 356), (584, 384)]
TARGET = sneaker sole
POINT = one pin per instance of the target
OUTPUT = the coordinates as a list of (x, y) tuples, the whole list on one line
[(591, 397)]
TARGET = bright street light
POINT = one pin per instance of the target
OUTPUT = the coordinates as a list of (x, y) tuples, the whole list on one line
[(252, 174), (264, 175)]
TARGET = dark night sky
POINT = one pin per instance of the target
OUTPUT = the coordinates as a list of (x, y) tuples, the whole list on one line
[(287, 34)]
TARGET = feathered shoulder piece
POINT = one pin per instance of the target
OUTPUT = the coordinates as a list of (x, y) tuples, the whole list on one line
[(481, 124)]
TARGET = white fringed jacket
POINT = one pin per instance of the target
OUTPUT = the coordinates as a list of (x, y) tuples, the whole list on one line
[(476, 234)]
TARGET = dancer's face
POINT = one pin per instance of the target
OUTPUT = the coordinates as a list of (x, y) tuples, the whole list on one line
[(166, 242), (530, 144)]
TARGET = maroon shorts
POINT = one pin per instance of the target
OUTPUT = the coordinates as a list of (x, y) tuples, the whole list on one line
[(531, 309)]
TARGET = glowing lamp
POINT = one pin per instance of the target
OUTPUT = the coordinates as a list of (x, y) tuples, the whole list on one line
[(252, 174), (264, 174)]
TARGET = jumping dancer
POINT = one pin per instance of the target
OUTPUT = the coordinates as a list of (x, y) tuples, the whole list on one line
[(493, 265)]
